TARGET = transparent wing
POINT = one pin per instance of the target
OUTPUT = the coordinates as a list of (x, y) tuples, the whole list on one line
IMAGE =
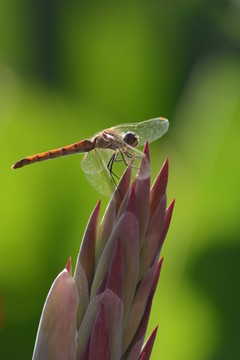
[(150, 129), (139, 158), (131, 152), (94, 165)]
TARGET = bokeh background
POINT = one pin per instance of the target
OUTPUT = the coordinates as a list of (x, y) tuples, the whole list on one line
[(71, 68)]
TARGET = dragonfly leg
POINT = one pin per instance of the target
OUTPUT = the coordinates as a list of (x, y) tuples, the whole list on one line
[(110, 166), (123, 158), (130, 156)]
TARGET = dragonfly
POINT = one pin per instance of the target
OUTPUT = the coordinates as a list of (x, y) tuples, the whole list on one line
[(102, 151)]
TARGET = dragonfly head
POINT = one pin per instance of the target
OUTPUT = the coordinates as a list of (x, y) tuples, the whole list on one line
[(131, 139)]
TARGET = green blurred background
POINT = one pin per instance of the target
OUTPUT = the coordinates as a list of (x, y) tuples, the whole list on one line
[(71, 68)]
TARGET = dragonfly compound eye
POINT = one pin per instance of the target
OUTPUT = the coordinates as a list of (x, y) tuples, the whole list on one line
[(131, 139)]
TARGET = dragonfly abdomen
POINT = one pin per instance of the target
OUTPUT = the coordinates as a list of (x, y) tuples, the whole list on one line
[(81, 146)]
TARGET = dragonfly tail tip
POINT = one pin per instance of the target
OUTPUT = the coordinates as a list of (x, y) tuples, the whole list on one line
[(16, 165)]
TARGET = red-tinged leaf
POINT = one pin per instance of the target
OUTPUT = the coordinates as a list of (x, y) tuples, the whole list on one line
[(100, 341), (56, 337), (83, 292), (115, 280), (123, 206), (144, 169), (142, 190), (124, 202), (132, 204), (147, 347), (130, 245), (86, 255), (122, 187), (159, 188), (153, 238), (143, 176), (142, 357), (146, 150), (114, 309), (156, 277), (166, 224), (102, 285), (136, 343), (127, 230), (85, 352), (134, 350), (69, 266), (105, 229), (138, 307)]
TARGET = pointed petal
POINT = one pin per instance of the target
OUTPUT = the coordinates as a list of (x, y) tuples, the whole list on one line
[(69, 266), (113, 308), (159, 187), (83, 292), (127, 230), (117, 205), (131, 269), (105, 229), (146, 150), (142, 195), (144, 169), (153, 237), (123, 206), (137, 341), (57, 328), (102, 285), (166, 224), (156, 277), (100, 342), (85, 353), (86, 255), (132, 203), (138, 307), (125, 200), (116, 272), (134, 351), (147, 348), (142, 190), (122, 187), (128, 204)]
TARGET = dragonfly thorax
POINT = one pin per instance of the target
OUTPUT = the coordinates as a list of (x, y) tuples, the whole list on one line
[(131, 139)]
